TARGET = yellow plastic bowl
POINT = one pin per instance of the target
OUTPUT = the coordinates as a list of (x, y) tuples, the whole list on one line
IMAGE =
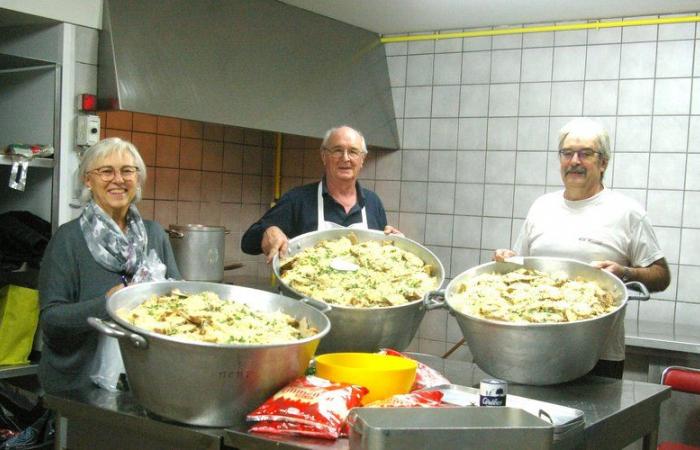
[(383, 375)]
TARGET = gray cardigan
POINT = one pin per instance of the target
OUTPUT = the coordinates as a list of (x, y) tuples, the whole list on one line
[(72, 287)]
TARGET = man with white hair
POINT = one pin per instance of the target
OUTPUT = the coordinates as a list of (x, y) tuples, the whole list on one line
[(337, 201), (589, 222)]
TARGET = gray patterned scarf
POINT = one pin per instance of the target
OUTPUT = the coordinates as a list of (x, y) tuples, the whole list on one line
[(112, 249)]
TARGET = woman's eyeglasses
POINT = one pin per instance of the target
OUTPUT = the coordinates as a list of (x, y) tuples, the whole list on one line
[(583, 155), (107, 173), (338, 152)]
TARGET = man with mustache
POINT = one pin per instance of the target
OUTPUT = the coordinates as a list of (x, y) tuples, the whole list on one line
[(589, 222), (337, 201)]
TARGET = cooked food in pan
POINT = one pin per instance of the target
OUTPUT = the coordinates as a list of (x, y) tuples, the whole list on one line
[(205, 317), (365, 274), (531, 296)]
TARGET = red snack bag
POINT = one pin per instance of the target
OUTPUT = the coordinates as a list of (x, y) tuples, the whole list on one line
[(289, 428), (309, 406), (425, 376), (421, 399)]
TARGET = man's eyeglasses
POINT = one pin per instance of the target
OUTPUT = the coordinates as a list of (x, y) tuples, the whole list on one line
[(583, 155), (339, 152), (107, 173)]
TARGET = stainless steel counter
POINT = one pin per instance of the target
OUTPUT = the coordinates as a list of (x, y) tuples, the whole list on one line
[(662, 336), (617, 413), (99, 419), (18, 370)]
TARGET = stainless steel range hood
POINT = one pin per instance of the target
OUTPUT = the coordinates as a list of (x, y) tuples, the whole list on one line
[(256, 64)]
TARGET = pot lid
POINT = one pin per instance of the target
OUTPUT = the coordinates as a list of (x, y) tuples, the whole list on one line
[(197, 227)]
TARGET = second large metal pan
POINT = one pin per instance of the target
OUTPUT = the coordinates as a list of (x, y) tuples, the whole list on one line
[(367, 329)]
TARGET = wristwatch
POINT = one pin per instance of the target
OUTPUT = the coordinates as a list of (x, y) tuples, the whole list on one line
[(626, 274)]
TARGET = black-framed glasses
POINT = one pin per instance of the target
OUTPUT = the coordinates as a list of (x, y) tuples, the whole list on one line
[(107, 173), (339, 152), (585, 154)]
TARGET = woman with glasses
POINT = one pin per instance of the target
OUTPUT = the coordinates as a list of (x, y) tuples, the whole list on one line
[(593, 224), (337, 200), (92, 257)]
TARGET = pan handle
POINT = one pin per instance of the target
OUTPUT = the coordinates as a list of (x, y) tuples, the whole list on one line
[(434, 300), (174, 234), (321, 306), (113, 330), (636, 286)]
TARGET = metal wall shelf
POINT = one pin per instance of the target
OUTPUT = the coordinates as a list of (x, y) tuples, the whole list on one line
[(47, 163), (19, 370)]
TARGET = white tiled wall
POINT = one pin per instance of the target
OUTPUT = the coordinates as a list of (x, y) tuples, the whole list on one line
[(478, 120)]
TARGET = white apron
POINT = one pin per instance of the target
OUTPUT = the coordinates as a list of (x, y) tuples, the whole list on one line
[(323, 225)]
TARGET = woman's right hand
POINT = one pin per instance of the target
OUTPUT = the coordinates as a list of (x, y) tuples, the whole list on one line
[(502, 254), (114, 289)]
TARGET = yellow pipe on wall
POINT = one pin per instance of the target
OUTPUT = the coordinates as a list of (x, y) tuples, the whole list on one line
[(277, 181), (278, 168), (540, 29)]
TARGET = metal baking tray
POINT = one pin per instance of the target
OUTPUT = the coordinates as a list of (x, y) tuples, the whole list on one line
[(568, 422), (451, 427)]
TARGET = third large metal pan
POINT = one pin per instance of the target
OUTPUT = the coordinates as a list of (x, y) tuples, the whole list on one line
[(367, 329), (540, 353)]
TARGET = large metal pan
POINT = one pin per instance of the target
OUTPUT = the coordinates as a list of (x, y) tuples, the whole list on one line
[(367, 329), (201, 383), (539, 353)]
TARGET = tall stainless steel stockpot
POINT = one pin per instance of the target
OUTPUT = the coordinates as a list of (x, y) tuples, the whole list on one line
[(539, 353), (206, 384), (367, 329), (199, 251)]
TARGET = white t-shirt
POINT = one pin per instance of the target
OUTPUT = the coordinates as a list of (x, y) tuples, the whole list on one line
[(607, 226)]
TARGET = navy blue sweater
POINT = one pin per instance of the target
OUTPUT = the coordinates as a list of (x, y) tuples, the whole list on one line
[(296, 213)]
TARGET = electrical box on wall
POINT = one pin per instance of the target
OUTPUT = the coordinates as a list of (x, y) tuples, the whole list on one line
[(88, 130)]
